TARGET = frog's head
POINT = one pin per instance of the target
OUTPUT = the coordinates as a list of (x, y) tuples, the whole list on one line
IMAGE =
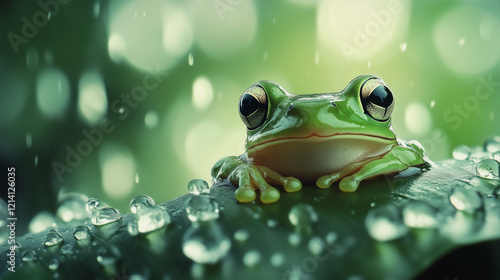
[(340, 125)]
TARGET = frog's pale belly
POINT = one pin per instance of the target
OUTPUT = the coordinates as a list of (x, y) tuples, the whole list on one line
[(309, 158)]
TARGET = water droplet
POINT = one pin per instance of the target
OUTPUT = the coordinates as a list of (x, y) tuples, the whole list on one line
[(433, 103), (108, 256), (277, 259), (205, 243), (241, 235), (496, 156), (17, 246), (97, 9), (461, 152), (29, 256), (202, 208), (150, 219), (302, 215), (316, 245), (139, 202), (272, 223), (316, 58), (36, 160), (251, 258), (385, 223), (488, 168), (82, 232), (294, 239), (52, 238), (419, 214), (191, 59), (91, 206), (133, 228), (198, 186), (105, 215), (53, 264), (492, 145), (331, 237), (67, 249), (468, 201), (137, 178), (72, 206)]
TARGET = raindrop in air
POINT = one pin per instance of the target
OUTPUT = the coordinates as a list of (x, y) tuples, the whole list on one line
[(198, 186), (105, 215), (205, 243), (302, 216), (385, 223), (52, 238), (191, 59), (82, 232), (468, 201), (461, 152), (29, 140), (488, 168), (419, 214), (202, 208), (139, 202), (294, 239), (251, 258), (91, 205)]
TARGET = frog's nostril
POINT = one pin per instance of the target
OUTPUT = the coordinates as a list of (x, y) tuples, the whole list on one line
[(334, 104), (290, 108)]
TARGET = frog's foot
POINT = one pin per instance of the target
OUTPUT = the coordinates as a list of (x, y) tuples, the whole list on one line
[(326, 181), (251, 177)]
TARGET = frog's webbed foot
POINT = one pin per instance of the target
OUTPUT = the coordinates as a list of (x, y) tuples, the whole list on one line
[(251, 177), (397, 160)]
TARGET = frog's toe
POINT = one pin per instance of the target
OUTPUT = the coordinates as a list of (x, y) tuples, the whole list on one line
[(245, 194), (348, 184), (269, 195), (325, 182), (291, 184)]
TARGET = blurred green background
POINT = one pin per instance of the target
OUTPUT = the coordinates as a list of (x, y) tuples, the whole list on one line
[(118, 98)]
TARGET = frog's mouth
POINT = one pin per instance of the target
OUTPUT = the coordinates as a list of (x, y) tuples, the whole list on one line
[(310, 157)]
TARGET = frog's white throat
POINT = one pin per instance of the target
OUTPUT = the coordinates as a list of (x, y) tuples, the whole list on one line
[(308, 158)]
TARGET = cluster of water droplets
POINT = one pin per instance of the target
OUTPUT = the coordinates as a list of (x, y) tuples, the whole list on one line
[(147, 216), (204, 241), (101, 215), (486, 158)]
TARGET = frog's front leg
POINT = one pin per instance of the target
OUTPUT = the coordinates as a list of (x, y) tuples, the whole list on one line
[(250, 177), (396, 160)]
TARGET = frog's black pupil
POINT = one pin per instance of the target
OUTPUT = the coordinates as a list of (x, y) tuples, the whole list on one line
[(381, 96), (248, 105)]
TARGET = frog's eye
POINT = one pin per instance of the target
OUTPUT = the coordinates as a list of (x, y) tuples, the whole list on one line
[(253, 107), (377, 99)]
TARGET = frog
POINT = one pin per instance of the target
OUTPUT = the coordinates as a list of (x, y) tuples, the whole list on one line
[(321, 139)]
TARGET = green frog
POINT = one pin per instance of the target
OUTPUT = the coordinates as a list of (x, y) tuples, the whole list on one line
[(316, 139)]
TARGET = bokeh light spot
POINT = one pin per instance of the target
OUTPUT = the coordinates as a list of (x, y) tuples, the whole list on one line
[(92, 100), (118, 171), (52, 92), (202, 93), (418, 119)]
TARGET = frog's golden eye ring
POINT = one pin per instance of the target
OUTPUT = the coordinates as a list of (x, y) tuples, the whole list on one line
[(377, 99), (253, 107)]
